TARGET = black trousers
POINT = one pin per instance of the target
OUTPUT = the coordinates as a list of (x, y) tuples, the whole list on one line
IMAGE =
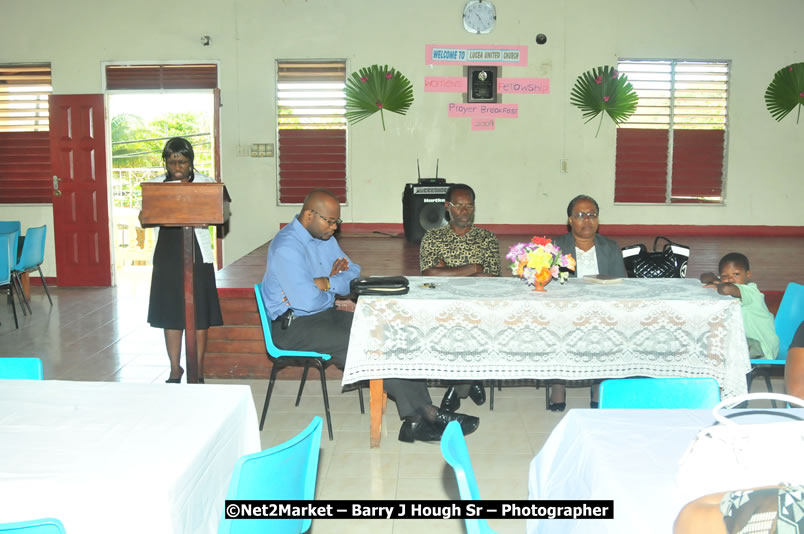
[(328, 332)]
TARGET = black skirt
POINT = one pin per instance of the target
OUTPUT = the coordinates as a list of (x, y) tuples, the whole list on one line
[(166, 305)]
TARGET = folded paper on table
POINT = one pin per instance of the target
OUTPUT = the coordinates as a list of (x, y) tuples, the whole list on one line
[(602, 279)]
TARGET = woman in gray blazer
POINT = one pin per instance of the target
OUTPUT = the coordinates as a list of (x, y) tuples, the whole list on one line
[(594, 254)]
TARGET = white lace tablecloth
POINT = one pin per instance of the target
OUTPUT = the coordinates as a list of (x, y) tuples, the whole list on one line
[(499, 328)]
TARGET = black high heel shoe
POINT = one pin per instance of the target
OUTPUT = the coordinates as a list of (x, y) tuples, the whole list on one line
[(593, 404), (450, 402), (175, 380), (557, 406)]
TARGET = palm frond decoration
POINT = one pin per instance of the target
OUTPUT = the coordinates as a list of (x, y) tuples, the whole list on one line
[(374, 89), (786, 92), (603, 89)]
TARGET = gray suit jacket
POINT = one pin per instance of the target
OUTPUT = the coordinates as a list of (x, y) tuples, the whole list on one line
[(609, 256)]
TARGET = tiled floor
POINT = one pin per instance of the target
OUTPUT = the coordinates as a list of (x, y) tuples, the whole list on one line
[(101, 334)]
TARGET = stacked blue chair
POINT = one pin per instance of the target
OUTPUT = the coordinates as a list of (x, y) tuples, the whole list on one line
[(454, 451), (6, 254), (37, 526), (789, 315), (20, 368), (31, 258), (672, 393), (285, 472), (281, 358)]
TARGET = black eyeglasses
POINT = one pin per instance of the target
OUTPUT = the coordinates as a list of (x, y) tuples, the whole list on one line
[(331, 222)]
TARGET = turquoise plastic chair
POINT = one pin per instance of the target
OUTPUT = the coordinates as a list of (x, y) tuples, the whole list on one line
[(285, 472), (6, 241), (37, 526), (31, 258), (454, 451), (21, 368), (281, 358), (690, 393), (789, 315)]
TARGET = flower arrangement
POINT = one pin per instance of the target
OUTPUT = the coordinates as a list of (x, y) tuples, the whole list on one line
[(603, 89), (786, 92), (374, 89), (538, 262)]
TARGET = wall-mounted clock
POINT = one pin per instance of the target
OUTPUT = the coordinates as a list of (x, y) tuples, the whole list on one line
[(479, 16)]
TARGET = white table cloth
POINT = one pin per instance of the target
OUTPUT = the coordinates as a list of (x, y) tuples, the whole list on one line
[(628, 456), (498, 328), (121, 457)]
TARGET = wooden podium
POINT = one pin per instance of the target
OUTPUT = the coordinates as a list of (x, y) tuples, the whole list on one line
[(188, 205)]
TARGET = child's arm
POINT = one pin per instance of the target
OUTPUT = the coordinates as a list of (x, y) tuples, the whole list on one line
[(709, 279), (727, 288)]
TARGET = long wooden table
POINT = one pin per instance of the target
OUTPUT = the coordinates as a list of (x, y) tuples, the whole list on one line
[(500, 329)]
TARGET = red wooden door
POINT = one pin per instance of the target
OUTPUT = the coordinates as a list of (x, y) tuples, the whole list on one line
[(80, 209)]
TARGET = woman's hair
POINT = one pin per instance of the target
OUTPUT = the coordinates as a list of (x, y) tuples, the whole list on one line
[(571, 205), (181, 146)]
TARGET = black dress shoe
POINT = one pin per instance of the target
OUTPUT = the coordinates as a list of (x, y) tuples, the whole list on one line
[(451, 402), (594, 404), (418, 428), (477, 393), (557, 406), (469, 423)]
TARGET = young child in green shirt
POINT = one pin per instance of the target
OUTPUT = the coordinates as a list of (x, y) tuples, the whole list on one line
[(734, 280)]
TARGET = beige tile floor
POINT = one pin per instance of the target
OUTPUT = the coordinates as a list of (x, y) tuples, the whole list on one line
[(101, 334)]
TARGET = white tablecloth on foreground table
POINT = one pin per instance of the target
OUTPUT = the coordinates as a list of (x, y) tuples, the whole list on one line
[(121, 457), (628, 456)]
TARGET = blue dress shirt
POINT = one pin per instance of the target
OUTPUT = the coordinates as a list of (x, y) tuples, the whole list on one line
[(295, 258)]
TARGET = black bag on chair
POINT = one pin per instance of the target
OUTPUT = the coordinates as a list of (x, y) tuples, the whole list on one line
[(379, 285), (670, 262)]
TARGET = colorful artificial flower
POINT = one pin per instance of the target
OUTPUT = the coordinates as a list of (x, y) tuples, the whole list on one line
[(539, 261)]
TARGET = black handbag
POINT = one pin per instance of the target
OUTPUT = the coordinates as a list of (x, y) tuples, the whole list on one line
[(379, 285), (669, 262)]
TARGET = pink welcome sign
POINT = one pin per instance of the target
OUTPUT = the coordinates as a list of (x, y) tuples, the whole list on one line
[(476, 55)]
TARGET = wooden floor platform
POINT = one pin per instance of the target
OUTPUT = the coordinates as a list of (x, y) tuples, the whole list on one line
[(237, 349)]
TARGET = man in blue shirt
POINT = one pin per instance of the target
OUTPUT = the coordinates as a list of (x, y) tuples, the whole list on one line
[(306, 270)]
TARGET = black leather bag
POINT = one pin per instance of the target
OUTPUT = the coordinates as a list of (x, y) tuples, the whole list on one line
[(379, 285), (669, 262)]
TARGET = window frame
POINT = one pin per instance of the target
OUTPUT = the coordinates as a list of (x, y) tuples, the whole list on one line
[(668, 201), (278, 152)]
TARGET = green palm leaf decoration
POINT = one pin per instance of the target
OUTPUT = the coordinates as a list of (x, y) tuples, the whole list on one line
[(374, 89), (603, 89), (786, 92)]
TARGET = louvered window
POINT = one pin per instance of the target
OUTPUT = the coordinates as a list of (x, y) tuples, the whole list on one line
[(161, 77), (25, 175), (311, 125), (672, 150)]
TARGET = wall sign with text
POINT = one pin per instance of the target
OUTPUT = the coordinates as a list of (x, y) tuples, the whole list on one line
[(483, 115)]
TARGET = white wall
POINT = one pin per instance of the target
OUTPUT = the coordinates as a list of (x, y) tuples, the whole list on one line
[(514, 169)]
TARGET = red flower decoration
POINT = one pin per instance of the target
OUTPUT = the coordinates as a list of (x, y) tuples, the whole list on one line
[(388, 76), (614, 74), (540, 240), (790, 68), (364, 79), (599, 80), (379, 105), (605, 99), (801, 94)]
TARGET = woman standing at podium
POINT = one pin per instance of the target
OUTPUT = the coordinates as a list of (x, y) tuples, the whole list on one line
[(166, 305)]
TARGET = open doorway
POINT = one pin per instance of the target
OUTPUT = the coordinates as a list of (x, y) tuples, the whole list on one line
[(140, 124)]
